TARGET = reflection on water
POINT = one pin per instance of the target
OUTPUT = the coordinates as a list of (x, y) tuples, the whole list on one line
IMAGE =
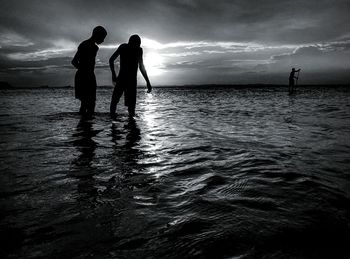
[(132, 137), (84, 143), (199, 173), (82, 165)]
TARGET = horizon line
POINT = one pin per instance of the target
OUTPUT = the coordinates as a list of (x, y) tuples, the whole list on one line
[(5, 85)]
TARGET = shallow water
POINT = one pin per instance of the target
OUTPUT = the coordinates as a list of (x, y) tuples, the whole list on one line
[(199, 173)]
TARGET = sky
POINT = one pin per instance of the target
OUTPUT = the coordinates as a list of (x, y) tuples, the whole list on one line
[(184, 41)]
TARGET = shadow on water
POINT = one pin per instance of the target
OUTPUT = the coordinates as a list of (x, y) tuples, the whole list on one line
[(107, 182), (132, 137), (124, 170), (290, 115), (82, 166), (127, 153)]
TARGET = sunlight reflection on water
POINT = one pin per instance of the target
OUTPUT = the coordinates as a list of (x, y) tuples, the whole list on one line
[(198, 173)]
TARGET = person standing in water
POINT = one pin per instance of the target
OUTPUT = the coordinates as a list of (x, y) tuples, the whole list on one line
[(130, 60), (85, 80), (291, 79)]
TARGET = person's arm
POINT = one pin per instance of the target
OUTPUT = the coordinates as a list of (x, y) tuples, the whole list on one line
[(296, 77), (75, 60), (144, 73), (111, 64)]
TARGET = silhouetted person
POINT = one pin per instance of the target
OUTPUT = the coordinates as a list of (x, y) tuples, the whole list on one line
[(291, 79), (85, 80), (130, 59)]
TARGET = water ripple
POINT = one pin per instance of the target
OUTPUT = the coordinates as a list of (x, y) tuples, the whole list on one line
[(199, 173)]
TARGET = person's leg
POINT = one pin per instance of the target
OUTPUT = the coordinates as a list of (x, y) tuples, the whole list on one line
[(90, 109), (131, 110), (131, 98), (90, 100), (291, 86), (82, 109), (83, 106), (117, 93)]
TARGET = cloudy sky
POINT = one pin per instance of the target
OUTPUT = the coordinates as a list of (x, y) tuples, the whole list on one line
[(184, 41)]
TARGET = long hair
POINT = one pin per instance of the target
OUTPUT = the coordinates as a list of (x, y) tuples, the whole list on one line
[(135, 41)]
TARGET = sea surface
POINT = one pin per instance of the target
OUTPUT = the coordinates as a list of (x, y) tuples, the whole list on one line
[(212, 172)]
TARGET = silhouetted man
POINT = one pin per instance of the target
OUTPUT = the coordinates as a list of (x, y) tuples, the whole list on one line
[(291, 79), (126, 82), (85, 80)]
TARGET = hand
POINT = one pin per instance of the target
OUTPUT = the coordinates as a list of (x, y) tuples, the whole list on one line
[(149, 88)]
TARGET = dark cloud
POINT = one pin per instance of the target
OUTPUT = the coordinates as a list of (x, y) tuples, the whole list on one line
[(316, 57), (219, 38), (8, 64), (169, 20)]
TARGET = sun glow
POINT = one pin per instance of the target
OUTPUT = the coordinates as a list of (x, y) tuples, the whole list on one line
[(154, 64)]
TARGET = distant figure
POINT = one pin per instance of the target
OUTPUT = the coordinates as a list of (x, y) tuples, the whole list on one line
[(130, 59), (291, 79), (85, 80)]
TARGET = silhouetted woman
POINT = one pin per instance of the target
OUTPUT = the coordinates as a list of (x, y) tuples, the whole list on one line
[(130, 60), (85, 80)]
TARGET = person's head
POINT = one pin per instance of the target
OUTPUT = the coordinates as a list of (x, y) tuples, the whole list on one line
[(135, 41), (293, 69), (99, 34)]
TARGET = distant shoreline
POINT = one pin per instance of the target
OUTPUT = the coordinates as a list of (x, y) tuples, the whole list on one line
[(200, 86)]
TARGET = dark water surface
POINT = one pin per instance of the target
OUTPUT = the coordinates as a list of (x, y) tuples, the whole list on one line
[(200, 173)]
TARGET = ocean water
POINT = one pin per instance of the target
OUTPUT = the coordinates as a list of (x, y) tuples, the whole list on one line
[(199, 173)]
